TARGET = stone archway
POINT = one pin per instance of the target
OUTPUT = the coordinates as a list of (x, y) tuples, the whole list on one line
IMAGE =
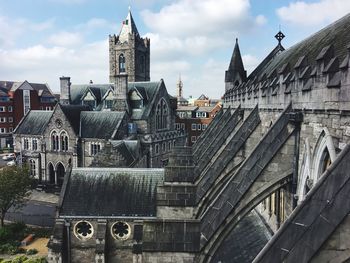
[(60, 173), (51, 173)]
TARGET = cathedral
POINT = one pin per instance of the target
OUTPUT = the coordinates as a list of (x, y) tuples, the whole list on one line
[(268, 180), (129, 122)]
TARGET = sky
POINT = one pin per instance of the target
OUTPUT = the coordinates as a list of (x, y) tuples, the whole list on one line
[(41, 40)]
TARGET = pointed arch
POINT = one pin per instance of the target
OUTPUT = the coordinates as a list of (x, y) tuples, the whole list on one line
[(121, 60), (51, 173), (60, 170), (162, 115)]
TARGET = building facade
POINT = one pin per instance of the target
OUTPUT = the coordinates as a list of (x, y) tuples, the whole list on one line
[(16, 99)]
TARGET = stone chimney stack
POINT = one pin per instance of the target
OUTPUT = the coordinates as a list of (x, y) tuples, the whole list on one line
[(121, 92), (65, 90)]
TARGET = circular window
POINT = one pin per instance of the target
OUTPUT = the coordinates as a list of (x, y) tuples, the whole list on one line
[(83, 230), (121, 230)]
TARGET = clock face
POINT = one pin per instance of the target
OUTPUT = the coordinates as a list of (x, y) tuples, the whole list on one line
[(58, 123)]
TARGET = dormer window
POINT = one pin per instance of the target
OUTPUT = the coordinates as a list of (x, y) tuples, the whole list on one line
[(121, 63)]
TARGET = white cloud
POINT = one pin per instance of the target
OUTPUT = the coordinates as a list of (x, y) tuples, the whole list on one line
[(65, 39), (46, 64), (313, 14), (186, 18), (11, 29)]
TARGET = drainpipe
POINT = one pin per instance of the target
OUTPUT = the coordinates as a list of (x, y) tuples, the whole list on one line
[(67, 225), (296, 118)]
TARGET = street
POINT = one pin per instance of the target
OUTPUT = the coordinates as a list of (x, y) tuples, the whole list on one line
[(34, 213)]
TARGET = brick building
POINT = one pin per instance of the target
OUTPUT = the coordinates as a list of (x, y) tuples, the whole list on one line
[(16, 99), (194, 120)]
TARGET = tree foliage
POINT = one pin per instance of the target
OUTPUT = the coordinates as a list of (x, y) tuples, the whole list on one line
[(15, 184)]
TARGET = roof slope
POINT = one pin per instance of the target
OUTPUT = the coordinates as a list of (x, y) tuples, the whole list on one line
[(128, 27), (336, 34), (111, 192), (315, 219), (72, 113), (34, 123), (100, 124)]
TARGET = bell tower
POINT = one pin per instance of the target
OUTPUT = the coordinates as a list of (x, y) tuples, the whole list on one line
[(129, 53)]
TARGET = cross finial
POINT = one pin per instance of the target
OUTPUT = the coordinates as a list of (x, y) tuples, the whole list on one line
[(279, 36), (129, 8)]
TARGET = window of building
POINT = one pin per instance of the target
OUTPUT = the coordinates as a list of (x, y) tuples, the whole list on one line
[(121, 63), (2, 130), (108, 104), (201, 115), (64, 141), (90, 103), (164, 147), (2, 119), (199, 127), (161, 115), (156, 148), (54, 141), (169, 145), (4, 99), (83, 230), (32, 167), (193, 127), (9, 108), (10, 119), (2, 108), (26, 144), (182, 126), (204, 126), (10, 129), (48, 108), (26, 101), (95, 148), (34, 144), (193, 138)]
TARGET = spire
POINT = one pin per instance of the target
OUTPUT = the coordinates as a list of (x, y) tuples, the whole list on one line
[(236, 69), (179, 87), (128, 27)]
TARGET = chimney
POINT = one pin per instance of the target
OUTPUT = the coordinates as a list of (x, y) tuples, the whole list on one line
[(121, 92), (65, 90)]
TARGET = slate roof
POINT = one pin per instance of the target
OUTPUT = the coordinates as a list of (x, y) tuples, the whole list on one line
[(100, 124), (186, 108), (236, 65), (315, 219), (91, 192), (336, 34), (128, 149), (41, 88), (34, 123), (244, 242), (72, 112), (206, 108), (77, 91)]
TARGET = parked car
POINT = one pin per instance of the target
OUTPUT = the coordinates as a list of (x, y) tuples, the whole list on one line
[(11, 163), (9, 156)]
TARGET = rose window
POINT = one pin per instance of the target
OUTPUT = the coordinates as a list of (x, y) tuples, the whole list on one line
[(83, 230), (121, 230)]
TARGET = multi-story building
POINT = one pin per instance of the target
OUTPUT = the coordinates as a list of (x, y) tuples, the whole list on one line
[(16, 99), (194, 120)]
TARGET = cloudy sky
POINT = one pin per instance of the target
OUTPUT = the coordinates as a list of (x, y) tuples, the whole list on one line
[(41, 40)]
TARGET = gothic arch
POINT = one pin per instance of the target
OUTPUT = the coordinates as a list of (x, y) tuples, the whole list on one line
[(162, 115), (51, 173), (54, 140), (324, 149), (60, 172), (64, 141), (121, 61), (312, 167)]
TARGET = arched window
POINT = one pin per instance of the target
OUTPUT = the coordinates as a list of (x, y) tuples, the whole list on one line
[(26, 144), (121, 63), (54, 141), (32, 167), (142, 64), (162, 115), (64, 141)]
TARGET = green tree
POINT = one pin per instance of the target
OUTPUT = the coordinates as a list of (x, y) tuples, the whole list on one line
[(15, 184)]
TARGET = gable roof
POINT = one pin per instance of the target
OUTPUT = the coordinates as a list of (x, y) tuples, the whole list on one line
[(72, 112), (34, 123), (100, 124), (336, 34), (110, 192)]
